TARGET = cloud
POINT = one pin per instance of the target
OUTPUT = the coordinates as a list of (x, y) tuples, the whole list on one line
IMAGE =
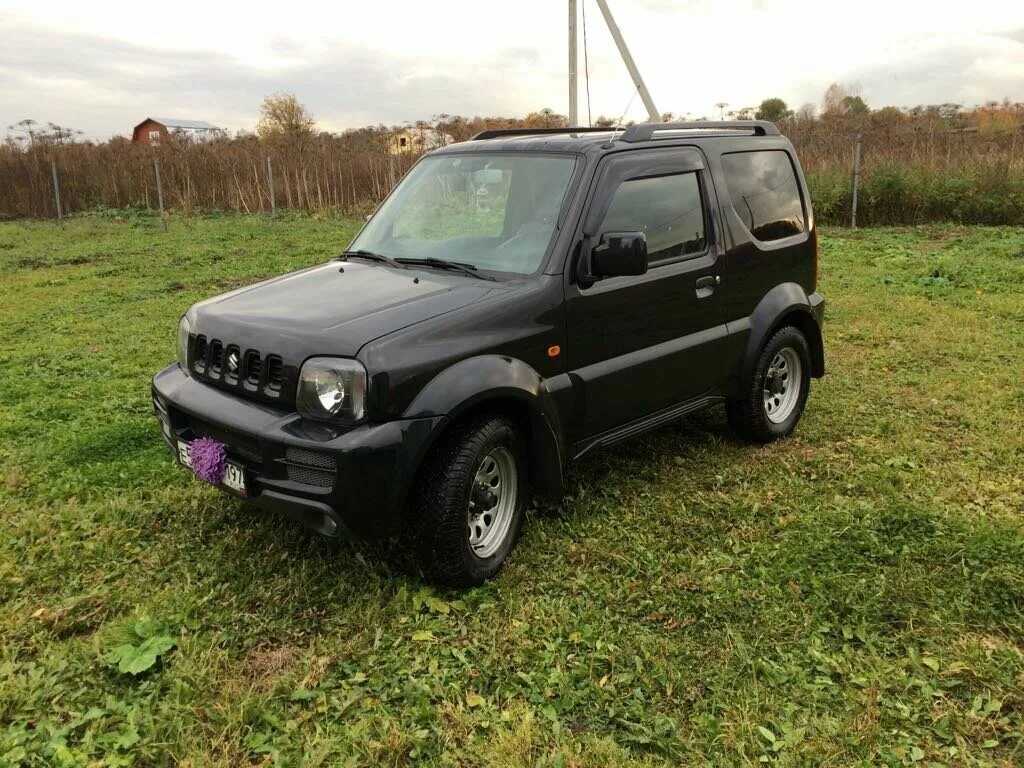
[(968, 72), (1018, 35), (103, 71), (103, 85)]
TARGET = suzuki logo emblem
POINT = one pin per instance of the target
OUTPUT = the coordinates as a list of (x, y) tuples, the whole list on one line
[(233, 362)]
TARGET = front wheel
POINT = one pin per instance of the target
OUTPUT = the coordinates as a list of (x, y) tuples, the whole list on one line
[(775, 398), (469, 502)]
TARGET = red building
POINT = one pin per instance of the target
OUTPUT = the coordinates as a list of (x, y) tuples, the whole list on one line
[(153, 130)]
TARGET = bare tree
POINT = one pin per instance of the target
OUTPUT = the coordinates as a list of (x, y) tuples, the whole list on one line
[(843, 99), (545, 118), (832, 102), (282, 116)]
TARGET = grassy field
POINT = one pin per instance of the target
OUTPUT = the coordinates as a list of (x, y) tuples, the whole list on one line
[(851, 596)]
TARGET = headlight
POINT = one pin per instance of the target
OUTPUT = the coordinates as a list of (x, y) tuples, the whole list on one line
[(183, 331), (331, 388)]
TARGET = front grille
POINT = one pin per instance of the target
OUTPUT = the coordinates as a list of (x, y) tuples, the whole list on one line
[(201, 352), (310, 467), (216, 357), (234, 367), (253, 368), (306, 476), (232, 364), (312, 458), (275, 372)]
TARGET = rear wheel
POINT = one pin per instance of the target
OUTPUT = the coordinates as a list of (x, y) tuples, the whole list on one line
[(469, 502), (775, 397)]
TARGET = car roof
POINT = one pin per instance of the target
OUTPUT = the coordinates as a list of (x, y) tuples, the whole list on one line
[(581, 140)]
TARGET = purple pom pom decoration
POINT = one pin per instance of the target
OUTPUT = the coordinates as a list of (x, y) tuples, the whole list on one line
[(209, 459)]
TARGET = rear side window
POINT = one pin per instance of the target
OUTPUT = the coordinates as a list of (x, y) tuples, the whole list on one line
[(765, 193), (667, 209)]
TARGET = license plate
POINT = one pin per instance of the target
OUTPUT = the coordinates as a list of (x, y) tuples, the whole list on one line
[(234, 477)]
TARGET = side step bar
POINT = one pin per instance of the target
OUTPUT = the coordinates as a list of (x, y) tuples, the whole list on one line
[(643, 425)]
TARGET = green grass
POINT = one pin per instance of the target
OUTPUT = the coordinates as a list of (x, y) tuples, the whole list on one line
[(991, 193), (851, 596)]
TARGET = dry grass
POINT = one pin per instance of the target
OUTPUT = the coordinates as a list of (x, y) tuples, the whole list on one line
[(983, 152)]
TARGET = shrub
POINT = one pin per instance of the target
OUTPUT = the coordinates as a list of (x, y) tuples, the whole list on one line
[(892, 194)]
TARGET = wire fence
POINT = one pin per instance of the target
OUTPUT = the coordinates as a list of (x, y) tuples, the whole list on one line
[(243, 176), (912, 172), (909, 173)]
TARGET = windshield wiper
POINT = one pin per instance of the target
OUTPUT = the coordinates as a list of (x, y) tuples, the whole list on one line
[(431, 261), (363, 254)]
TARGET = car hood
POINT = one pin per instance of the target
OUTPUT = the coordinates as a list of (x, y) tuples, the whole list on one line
[(334, 308)]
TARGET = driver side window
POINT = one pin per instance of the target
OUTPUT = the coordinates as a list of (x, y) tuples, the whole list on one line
[(669, 210)]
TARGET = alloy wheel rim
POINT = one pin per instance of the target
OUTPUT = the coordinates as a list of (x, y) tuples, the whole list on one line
[(782, 383), (492, 502)]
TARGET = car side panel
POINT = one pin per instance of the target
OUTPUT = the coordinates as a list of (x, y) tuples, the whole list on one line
[(753, 267), (640, 344), (785, 304), (479, 380), (765, 280)]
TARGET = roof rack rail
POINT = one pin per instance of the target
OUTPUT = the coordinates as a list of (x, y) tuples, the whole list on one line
[(501, 132), (646, 131)]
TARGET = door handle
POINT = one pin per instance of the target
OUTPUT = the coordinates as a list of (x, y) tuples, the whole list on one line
[(706, 285)]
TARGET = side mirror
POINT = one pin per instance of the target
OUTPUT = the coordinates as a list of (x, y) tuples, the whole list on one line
[(619, 253)]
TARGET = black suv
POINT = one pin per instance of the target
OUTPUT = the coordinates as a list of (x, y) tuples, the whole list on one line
[(518, 300)]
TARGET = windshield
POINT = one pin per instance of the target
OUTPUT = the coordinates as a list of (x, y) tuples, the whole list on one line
[(495, 212)]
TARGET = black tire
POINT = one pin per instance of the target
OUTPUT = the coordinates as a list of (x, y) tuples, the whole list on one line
[(748, 416), (440, 499)]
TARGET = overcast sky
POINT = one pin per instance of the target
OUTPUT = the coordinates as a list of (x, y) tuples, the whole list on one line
[(103, 66)]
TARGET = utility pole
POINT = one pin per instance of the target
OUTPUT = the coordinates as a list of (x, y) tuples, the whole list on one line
[(573, 89), (652, 112)]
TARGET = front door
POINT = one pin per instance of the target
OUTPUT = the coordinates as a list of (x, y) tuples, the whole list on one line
[(641, 344)]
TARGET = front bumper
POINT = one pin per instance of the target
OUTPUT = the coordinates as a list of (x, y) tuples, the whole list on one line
[(344, 482)]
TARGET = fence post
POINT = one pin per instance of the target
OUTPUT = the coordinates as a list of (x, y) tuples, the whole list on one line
[(56, 194), (159, 192), (856, 180), (270, 184)]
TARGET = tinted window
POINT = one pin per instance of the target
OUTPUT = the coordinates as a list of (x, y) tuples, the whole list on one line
[(494, 211), (764, 193), (667, 209)]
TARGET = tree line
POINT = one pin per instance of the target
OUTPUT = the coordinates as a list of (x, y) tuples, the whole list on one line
[(934, 162)]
